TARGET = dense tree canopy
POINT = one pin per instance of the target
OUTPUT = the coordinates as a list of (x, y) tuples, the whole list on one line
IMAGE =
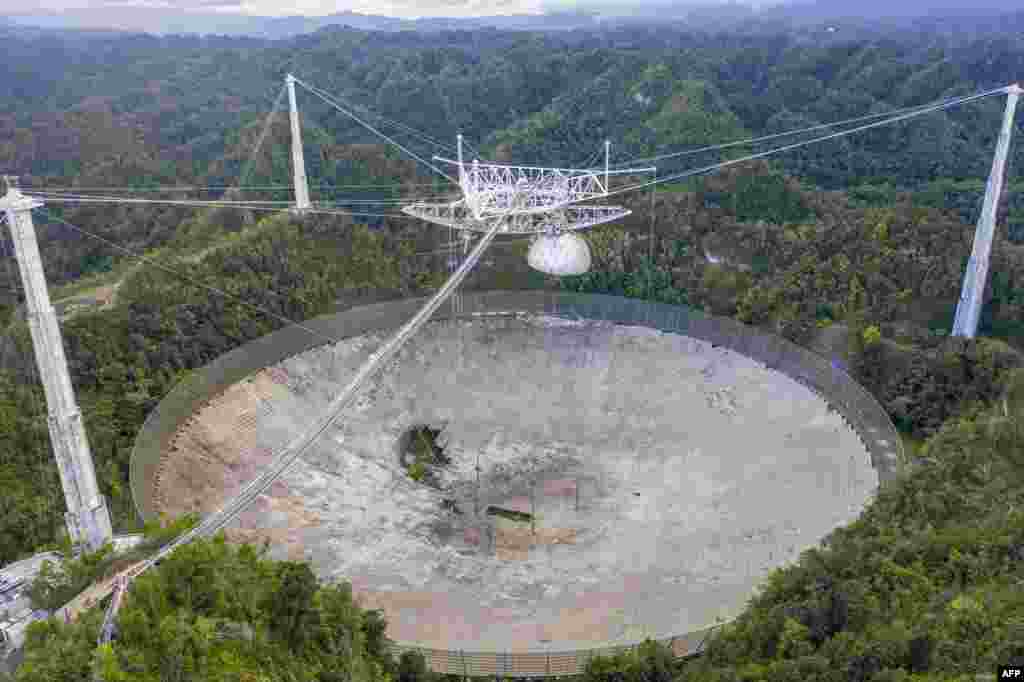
[(214, 612), (855, 247)]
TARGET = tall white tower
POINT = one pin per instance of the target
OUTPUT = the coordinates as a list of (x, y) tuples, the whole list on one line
[(972, 292), (87, 517), (298, 162)]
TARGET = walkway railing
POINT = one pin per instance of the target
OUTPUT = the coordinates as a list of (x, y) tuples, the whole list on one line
[(541, 663)]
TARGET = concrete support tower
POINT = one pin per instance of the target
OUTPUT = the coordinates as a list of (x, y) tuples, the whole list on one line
[(968, 309), (298, 161), (87, 518)]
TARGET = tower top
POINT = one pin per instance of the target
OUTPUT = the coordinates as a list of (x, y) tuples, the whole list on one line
[(1015, 89), (14, 200)]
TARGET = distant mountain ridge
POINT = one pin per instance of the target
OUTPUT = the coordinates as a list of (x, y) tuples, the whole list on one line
[(162, 22), (704, 15), (886, 9)]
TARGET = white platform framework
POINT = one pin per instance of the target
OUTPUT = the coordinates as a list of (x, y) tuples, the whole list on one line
[(459, 216), (528, 199)]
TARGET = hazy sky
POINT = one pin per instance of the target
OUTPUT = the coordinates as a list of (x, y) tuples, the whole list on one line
[(410, 9), (275, 8)]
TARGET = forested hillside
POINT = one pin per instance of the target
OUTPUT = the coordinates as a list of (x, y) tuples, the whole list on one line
[(222, 613), (854, 247), (115, 110)]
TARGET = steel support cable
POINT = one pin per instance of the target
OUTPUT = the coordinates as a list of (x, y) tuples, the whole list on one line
[(263, 134), (398, 124), (200, 188), (445, 197), (750, 157), (203, 204), (260, 484), (451, 246), (358, 214), (398, 186), (238, 203), (392, 199), (193, 281), (591, 159), (473, 150), (132, 200), (406, 130), (327, 98), (298, 447), (107, 628), (929, 107)]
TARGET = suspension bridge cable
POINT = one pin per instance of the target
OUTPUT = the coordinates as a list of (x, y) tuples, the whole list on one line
[(192, 280), (328, 99), (724, 164), (940, 104)]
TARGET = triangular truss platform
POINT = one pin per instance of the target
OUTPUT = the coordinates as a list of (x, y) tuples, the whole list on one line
[(565, 219)]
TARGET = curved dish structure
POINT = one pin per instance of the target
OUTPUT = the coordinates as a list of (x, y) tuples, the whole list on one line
[(636, 409)]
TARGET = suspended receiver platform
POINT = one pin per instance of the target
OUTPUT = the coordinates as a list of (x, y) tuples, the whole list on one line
[(458, 215)]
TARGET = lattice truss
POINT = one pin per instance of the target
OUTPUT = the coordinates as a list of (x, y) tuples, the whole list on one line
[(528, 199), (495, 190)]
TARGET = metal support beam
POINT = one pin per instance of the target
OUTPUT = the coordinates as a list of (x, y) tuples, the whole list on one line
[(607, 158), (462, 169), (87, 518), (968, 309), (298, 162)]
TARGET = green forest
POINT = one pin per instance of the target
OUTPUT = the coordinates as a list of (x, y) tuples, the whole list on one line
[(854, 248)]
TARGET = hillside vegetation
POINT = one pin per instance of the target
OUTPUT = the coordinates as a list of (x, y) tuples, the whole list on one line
[(854, 247), (221, 613)]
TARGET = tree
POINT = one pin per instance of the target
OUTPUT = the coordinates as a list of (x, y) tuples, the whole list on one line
[(412, 667), (291, 605), (649, 662), (373, 629)]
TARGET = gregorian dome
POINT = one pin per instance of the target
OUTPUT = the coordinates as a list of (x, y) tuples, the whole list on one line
[(562, 254)]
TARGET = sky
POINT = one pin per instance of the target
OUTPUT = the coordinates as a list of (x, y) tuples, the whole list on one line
[(408, 9)]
